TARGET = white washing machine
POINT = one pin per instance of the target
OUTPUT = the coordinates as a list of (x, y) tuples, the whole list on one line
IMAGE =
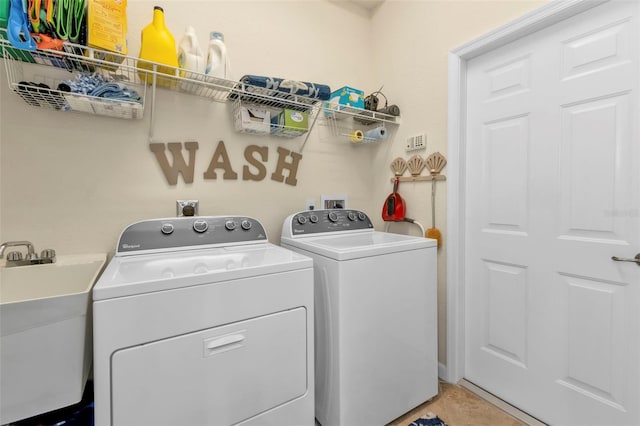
[(375, 323), (202, 321)]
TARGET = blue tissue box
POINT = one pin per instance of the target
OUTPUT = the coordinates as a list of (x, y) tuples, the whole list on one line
[(345, 99)]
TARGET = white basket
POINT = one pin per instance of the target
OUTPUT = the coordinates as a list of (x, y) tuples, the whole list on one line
[(37, 83)]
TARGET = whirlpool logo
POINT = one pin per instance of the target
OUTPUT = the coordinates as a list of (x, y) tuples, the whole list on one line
[(130, 246)]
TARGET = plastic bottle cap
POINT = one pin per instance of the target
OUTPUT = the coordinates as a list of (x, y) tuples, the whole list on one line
[(158, 8), (218, 35)]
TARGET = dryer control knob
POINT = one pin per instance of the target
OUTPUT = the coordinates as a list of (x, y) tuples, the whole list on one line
[(230, 225), (302, 220), (362, 216), (333, 216), (352, 216), (200, 226), (166, 228), (245, 224), (313, 218)]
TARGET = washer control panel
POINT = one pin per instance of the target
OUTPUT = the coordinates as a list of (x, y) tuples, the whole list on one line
[(189, 232), (319, 221)]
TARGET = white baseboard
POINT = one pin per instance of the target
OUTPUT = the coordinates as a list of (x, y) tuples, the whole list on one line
[(442, 372)]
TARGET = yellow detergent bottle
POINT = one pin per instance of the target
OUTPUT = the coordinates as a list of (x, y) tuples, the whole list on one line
[(157, 45)]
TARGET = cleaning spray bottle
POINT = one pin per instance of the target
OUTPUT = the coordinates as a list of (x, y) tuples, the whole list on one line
[(217, 62), (157, 45)]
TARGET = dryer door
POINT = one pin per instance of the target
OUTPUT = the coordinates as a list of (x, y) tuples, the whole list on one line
[(219, 376)]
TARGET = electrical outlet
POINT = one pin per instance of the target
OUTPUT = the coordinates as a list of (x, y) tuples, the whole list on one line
[(409, 146), (186, 208), (416, 142), (334, 201)]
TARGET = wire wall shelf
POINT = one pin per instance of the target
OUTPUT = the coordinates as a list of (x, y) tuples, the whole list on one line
[(355, 125), (128, 70), (37, 88), (360, 116)]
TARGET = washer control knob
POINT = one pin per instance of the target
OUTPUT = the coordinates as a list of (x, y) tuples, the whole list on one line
[(362, 216), (200, 226), (302, 220), (313, 218), (166, 228), (245, 224), (352, 216), (230, 225), (333, 216)]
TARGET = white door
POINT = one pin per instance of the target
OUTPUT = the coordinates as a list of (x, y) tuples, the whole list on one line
[(553, 192)]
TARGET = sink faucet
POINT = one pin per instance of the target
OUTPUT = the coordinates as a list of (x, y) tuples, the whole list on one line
[(31, 253), (14, 258)]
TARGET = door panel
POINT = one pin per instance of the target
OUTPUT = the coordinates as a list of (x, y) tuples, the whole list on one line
[(552, 192), (506, 305), (594, 367), (595, 134), (507, 181), (596, 50)]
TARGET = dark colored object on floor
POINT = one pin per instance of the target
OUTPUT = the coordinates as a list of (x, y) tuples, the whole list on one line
[(80, 414), (428, 420)]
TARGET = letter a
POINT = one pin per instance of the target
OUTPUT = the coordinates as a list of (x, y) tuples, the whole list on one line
[(223, 163)]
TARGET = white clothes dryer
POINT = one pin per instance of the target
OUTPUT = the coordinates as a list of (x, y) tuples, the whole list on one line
[(375, 324), (202, 321)]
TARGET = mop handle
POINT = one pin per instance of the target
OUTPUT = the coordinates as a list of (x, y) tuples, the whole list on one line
[(433, 202)]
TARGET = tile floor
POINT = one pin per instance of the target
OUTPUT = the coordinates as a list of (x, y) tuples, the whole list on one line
[(457, 406)]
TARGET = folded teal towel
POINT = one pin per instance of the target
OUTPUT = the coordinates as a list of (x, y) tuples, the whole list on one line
[(116, 91)]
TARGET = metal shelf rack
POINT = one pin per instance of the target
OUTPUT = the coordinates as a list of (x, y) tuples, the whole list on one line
[(74, 59), (344, 123)]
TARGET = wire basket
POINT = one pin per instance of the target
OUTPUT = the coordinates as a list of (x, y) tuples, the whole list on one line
[(38, 82), (258, 119), (354, 131)]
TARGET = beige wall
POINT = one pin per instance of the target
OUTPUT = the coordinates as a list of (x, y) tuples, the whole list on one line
[(411, 43), (73, 181)]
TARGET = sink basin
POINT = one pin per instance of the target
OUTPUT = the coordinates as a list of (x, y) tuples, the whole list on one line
[(46, 334)]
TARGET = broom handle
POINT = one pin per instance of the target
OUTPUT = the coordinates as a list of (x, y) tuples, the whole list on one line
[(433, 203)]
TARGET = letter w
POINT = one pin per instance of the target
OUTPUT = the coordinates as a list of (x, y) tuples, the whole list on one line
[(179, 165)]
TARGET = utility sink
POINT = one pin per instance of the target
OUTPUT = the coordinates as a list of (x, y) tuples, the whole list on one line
[(46, 334)]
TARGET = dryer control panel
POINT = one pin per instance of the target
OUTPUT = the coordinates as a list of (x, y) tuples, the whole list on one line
[(179, 233), (320, 221)]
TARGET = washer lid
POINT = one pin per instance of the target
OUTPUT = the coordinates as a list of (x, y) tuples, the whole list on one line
[(147, 273), (357, 245)]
